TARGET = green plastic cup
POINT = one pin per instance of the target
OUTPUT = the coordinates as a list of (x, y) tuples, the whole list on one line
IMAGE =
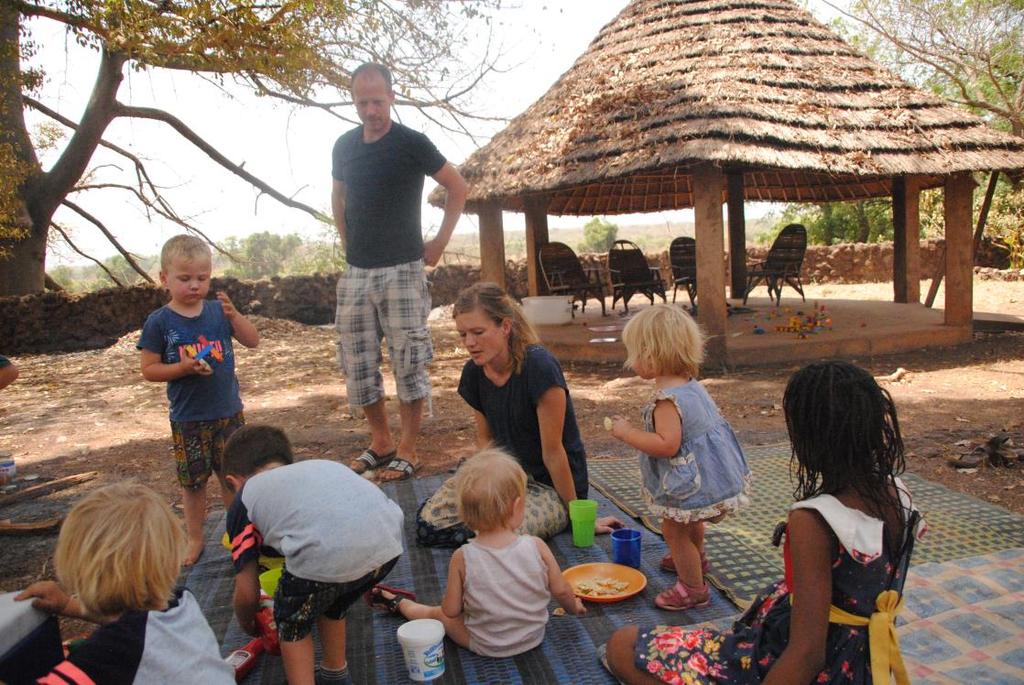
[(583, 516)]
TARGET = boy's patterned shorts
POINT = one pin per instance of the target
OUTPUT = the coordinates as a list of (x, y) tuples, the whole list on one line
[(298, 603), (198, 446)]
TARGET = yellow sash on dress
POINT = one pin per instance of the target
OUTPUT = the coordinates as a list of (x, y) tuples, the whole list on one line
[(885, 644)]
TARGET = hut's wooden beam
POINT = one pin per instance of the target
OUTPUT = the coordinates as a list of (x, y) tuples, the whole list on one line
[(536, 213), (708, 182), (906, 246), (958, 198), (492, 244), (737, 235)]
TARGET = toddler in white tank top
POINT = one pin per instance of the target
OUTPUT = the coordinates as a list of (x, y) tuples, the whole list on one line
[(500, 583)]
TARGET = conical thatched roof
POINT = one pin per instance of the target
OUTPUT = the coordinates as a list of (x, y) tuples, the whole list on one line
[(753, 85)]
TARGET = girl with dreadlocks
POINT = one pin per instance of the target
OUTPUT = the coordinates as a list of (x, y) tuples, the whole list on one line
[(848, 541)]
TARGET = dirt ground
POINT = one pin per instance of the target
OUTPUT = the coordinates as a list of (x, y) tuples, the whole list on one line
[(92, 411)]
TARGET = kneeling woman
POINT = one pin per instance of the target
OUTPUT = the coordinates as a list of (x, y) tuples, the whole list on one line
[(521, 403)]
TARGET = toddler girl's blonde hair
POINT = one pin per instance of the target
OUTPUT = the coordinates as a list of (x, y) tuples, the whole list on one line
[(120, 549), (486, 488), (666, 340)]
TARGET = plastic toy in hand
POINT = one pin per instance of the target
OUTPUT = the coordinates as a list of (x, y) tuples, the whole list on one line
[(242, 660)]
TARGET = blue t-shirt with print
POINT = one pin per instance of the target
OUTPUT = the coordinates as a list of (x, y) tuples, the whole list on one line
[(171, 335)]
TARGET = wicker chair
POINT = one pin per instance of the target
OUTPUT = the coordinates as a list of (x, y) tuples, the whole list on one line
[(564, 275), (683, 257), (782, 266), (630, 273)]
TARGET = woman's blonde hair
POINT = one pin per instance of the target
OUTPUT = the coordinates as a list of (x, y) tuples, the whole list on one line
[(120, 549), (486, 488), (498, 305), (666, 340)]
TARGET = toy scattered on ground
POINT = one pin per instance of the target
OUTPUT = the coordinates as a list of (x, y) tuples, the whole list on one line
[(607, 423), (803, 325), (243, 660)]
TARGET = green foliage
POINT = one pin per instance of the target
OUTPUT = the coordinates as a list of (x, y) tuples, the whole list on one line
[(14, 220), (968, 51), (1006, 222), (263, 255), (260, 255), (598, 235), (863, 221)]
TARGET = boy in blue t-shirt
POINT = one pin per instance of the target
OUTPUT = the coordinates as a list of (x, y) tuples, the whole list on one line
[(187, 344)]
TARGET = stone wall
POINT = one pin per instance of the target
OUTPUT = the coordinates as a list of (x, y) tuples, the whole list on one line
[(52, 322)]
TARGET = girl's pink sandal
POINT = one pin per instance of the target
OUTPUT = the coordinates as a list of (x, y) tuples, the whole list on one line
[(680, 597), (667, 564)]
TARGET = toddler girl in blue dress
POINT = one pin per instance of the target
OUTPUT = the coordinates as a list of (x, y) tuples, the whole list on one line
[(691, 463)]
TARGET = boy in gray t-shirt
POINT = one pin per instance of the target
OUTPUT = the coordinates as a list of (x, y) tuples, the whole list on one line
[(339, 534)]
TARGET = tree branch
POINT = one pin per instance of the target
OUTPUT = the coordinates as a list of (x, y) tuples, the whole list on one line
[(110, 236), (215, 155), (98, 114), (74, 247), (140, 168), (32, 10)]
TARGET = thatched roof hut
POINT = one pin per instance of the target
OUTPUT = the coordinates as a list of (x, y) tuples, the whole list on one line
[(755, 97)]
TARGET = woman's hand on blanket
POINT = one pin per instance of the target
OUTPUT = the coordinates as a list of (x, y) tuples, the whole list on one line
[(606, 524)]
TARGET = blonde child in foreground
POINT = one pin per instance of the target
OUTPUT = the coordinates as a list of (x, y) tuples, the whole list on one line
[(500, 582), (692, 466), (203, 392), (117, 558)]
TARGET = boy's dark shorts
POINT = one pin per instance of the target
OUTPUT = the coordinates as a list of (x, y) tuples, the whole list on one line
[(299, 603), (198, 446)]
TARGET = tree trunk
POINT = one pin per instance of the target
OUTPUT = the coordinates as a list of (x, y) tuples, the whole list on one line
[(829, 228), (24, 271), (864, 232)]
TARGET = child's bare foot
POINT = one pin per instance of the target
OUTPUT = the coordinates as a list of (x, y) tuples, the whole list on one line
[(194, 551)]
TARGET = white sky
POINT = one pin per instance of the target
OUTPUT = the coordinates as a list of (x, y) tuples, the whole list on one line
[(288, 149)]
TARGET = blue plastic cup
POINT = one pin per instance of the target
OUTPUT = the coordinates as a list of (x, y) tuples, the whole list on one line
[(626, 547)]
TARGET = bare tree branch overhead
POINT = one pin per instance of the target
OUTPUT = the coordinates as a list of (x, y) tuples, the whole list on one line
[(296, 52), (968, 51), (129, 257), (67, 239)]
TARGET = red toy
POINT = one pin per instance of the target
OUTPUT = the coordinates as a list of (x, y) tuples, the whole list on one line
[(242, 660)]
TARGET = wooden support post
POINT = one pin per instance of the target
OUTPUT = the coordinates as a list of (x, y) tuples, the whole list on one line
[(737, 236), (982, 218), (906, 245), (707, 182), (957, 201), (492, 244), (536, 213)]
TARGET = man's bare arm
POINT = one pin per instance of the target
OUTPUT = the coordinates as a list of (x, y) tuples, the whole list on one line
[(338, 209), (455, 201)]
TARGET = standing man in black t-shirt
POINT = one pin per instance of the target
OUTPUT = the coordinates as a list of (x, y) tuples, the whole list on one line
[(378, 171)]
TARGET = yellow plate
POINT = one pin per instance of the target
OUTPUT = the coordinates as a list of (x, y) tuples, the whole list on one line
[(600, 571)]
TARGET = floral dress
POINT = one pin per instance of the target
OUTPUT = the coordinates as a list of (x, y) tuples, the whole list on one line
[(864, 566)]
